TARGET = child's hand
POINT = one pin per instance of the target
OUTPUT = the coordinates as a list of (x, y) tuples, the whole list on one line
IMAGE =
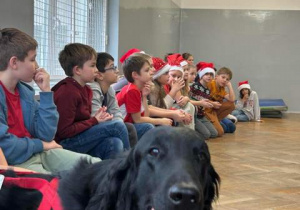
[(206, 103), (147, 89), (50, 145), (165, 121), (178, 115), (183, 100), (246, 97), (216, 104), (178, 85), (229, 85), (102, 116), (42, 79), (188, 119)]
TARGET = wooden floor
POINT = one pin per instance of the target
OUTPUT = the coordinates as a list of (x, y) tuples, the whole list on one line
[(259, 165)]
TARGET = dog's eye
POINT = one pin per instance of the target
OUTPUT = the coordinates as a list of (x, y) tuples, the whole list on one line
[(201, 156), (154, 152)]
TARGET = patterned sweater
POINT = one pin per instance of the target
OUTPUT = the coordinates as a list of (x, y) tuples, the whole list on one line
[(198, 92)]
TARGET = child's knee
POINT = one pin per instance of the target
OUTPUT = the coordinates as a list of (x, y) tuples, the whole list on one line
[(231, 128), (149, 126), (116, 145), (119, 125), (228, 126), (213, 133), (206, 135)]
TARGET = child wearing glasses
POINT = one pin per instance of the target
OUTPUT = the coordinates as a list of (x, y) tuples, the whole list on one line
[(97, 135), (104, 95)]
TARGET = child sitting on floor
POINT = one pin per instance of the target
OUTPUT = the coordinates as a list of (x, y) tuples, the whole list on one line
[(200, 96), (247, 106), (160, 99), (223, 102), (77, 131)]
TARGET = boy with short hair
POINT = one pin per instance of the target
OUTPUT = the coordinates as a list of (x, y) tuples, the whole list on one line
[(104, 94), (133, 97), (223, 102), (27, 127), (77, 130)]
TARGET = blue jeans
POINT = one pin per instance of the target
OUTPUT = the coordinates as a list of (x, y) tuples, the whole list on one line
[(142, 128), (240, 115), (228, 125), (103, 140)]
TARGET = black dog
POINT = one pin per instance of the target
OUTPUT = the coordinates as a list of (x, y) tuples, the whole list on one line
[(169, 168)]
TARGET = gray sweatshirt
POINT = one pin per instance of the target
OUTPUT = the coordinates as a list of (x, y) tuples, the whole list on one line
[(250, 107), (112, 103)]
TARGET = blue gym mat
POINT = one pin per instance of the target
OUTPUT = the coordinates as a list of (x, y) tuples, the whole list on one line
[(272, 105)]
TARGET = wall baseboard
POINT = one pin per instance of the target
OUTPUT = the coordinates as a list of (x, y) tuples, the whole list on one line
[(292, 112)]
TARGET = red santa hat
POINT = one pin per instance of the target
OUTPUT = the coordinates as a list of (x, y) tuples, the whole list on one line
[(129, 53), (176, 57), (176, 61), (204, 68), (244, 84), (161, 67)]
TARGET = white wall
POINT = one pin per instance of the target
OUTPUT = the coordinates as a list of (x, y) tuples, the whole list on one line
[(17, 14), (150, 25), (240, 4), (261, 46)]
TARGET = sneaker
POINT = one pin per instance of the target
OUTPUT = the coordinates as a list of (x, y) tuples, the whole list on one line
[(232, 118)]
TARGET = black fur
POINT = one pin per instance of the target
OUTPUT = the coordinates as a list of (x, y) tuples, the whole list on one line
[(168, 169)]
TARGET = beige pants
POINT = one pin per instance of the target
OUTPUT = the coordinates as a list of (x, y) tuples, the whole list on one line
[(55, 160)]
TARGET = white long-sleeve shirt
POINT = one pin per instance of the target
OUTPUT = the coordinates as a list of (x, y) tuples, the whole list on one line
[(250, 107)]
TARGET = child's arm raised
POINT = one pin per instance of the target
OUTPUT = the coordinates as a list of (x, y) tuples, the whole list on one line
[(42, 79), (181, 100), (176, 86), (145, 92), (230, 96)]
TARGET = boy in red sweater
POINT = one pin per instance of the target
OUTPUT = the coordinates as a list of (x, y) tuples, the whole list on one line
[(77, 130)]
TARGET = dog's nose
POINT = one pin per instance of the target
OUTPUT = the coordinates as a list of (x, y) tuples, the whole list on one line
[(184, 194)]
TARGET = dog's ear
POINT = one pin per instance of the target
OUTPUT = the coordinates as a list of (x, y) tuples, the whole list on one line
[(211, 180), (120, 184), (74, 186), (211, 186)]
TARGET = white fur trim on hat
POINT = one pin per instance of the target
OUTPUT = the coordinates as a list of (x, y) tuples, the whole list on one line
[(244, 86), (206, 70), (183, 63), (178, 68), (163, 70)]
